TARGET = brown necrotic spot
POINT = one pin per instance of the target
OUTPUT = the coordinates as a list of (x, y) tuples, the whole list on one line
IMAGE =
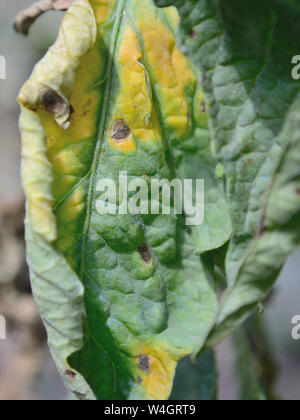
[(145, 253), (70, 375), (120, 130), (193, 34), (144, 363)]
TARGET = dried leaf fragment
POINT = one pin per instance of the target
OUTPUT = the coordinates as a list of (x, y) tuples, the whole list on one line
[(27, 17)]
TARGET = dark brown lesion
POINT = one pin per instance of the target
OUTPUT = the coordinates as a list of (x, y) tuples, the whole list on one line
[(144, 363), (70, 375), (145, 253), (27, 17), (57, 105), (120, 130)]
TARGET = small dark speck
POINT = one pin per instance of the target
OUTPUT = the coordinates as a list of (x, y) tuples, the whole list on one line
[(203, 107), (139, 380)]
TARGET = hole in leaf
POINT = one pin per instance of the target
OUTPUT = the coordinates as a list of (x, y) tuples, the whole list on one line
[(70, 374)]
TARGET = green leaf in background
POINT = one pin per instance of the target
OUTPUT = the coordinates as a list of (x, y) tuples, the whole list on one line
[(196, 380), (255, 366), (244, 50), (123, 297)]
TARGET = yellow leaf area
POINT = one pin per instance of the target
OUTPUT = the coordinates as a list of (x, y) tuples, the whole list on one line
[(155, 372), (130, 72)]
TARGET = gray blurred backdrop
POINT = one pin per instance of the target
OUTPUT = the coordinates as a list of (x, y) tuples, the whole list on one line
[(27, 371)]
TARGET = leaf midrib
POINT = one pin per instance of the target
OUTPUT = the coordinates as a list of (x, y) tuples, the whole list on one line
[(101, 129)]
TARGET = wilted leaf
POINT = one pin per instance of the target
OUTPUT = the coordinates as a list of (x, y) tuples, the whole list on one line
[(256, 366), (124, 297)]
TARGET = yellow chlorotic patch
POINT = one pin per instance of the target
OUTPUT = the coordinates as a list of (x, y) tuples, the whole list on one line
[(173, 17), (134, 102), (64, 145), (44, 140), (170, 71), (103, 10), (57, 70), (85, 99), (182, 67), (100, 74), (68, 215), (74, 201), (125, 145), (156, 368)]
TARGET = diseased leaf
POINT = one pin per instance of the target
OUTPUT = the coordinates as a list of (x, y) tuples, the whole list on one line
[(262, 348), (196, 380), (244, 50), (123, 297)]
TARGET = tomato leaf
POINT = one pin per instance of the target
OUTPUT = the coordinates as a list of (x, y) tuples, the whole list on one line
[(123, 296)]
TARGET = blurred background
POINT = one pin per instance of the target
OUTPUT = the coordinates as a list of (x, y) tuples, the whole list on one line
[(27, 371)]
